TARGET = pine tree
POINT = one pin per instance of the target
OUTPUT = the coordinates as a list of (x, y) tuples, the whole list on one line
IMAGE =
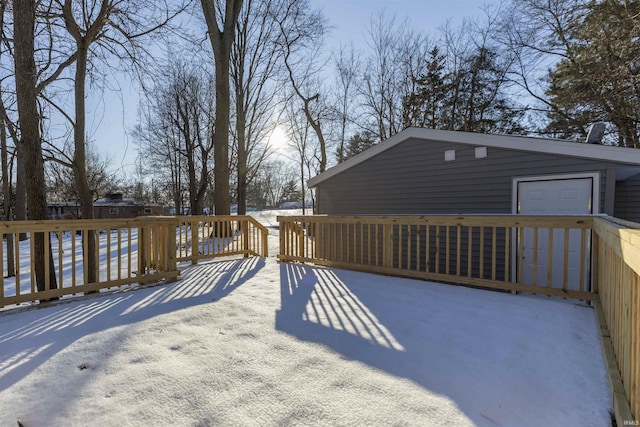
[(424, 108), (598, 78), (357, 144)]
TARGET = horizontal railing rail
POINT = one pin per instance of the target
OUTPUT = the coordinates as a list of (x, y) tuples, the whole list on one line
[(127, 251)]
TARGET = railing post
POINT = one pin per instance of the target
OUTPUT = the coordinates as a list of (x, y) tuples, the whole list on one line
[(245, 237), (195, 237), (282, 235), (301, 242), (142, 248), (387, 246), (319, 235), (595, 260), (171, 249), (265, 241)]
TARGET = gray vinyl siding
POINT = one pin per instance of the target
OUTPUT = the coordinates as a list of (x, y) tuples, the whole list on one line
[(413, 178), (627, 201)]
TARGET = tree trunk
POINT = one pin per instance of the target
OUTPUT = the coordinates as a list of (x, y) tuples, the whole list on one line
[(20, 208), (24, 12), (80, 164), (242, 156), (221, 134), (6, 190), (221, 42)]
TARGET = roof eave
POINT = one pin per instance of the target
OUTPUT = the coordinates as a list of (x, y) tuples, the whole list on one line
[(627, 156)]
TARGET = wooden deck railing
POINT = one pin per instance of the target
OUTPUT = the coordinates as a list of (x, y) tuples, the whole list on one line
[(588, 258), (541, 255), (128, 251), (200, 237), (617, 278)]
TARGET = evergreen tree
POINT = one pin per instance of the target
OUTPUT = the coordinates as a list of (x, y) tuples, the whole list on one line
[(424, 107), (469, 98), (356, 145), (597, 80)]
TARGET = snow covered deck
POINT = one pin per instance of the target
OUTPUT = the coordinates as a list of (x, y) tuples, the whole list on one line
[(254, 342)]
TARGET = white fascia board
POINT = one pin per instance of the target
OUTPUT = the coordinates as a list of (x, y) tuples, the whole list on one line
[(627, 156)]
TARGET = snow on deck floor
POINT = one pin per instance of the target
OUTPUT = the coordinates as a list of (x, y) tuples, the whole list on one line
[(253, 342)]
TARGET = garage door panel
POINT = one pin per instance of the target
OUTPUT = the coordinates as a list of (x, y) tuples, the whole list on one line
[(554, 197)]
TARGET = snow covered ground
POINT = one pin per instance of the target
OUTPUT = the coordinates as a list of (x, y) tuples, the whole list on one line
[(254, 342)]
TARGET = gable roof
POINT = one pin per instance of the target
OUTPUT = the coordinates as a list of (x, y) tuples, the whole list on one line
[(626, 156)]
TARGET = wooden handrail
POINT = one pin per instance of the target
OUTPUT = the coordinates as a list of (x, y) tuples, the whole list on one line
[(617, 275), (134, 250)]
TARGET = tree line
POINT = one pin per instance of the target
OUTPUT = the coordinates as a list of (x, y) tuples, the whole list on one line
[(218, 77), (528, 67)]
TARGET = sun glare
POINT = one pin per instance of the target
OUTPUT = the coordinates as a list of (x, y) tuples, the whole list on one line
[(278, 140)]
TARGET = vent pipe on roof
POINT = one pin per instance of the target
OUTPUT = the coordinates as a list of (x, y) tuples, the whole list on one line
[(596, 132)]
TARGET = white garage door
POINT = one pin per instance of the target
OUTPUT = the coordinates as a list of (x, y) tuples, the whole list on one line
[(554, 197)]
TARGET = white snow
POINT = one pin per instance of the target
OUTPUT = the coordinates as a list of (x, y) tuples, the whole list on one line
[(253, 342)]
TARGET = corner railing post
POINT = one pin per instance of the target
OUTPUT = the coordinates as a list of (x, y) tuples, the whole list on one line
[(283, 237), (265, 242)]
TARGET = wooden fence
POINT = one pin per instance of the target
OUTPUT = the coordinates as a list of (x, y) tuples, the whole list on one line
[(127, 251), (586, 258)]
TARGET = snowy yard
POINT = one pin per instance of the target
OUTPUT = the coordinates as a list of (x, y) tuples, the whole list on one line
[(254, 342)]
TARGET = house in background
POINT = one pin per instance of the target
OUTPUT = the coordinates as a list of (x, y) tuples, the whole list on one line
[(63, 210), (113, 205), (427, 171)]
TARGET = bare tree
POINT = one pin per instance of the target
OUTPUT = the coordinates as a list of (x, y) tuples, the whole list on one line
[(60, 176), (6, 192), (176, 129), (6, 175), (539, 33), (306, 147), (302, 31), (398, 53), (273, 184), (95, 25), (254, 67), (9, 119), (221, 28), (347, 68), (24, 14)]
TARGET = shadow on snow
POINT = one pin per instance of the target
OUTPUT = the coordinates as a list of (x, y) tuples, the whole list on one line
[(473, 346), (201, 284)]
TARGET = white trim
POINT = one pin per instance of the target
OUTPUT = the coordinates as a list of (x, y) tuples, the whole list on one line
[(595, 188), (627, 156)]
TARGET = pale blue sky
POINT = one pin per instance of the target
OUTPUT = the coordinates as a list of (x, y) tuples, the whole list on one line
[(349, 19)]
